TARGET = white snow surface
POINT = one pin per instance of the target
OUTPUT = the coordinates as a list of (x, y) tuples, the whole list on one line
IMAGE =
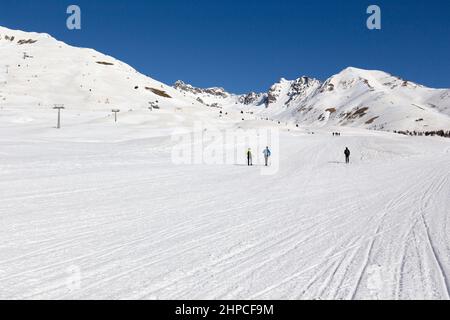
[(105, 203), (46, 72), (98, 209)]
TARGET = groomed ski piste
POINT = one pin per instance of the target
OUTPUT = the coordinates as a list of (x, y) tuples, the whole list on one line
[(100, 210), (109, 210)]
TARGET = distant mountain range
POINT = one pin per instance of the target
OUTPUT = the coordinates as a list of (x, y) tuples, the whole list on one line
[(37, 71), (354, 97)]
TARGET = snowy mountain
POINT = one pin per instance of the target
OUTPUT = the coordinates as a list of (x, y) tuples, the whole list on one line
[(376, 100), (354, 97), (217, 97), (37, 71), (142, 209)]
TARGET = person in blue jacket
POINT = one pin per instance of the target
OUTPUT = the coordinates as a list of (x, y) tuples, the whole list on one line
[(267, 155)]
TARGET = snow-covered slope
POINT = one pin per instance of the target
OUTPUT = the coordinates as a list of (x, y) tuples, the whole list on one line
[(287, 94), (374, 99), (38, 71), (101, 220), (100, 209), (354, 97)]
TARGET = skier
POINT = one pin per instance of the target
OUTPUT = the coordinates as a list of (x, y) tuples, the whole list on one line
[(249, 157), (347, 155), (267, 154)]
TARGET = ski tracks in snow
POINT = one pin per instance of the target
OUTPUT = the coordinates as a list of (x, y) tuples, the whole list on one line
[(318, 229)]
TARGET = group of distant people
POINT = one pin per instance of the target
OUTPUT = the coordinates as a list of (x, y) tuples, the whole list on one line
[(267, 153), (337, 134)]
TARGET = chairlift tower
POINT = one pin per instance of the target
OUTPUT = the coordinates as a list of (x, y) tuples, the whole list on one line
[(58, 107), (115, 111)]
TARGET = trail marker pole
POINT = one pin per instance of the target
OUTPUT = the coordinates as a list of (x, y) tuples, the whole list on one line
[(59, 107)]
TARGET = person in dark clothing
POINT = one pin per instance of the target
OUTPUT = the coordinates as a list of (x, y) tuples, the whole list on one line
[(249, 157), (347, 155)]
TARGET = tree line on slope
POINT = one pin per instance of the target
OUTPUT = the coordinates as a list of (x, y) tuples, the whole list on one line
[(439, 133)]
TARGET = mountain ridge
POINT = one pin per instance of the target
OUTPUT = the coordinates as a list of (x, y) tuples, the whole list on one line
[(40, 71), (354, 97)]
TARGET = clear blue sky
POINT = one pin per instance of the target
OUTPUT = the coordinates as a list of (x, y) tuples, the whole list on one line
[(247, 45)]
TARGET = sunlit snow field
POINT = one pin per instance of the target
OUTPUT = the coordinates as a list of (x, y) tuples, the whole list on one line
[(100, 210)]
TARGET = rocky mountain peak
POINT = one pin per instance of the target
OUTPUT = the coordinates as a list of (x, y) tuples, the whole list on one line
[(291, 89), (213, 91)]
